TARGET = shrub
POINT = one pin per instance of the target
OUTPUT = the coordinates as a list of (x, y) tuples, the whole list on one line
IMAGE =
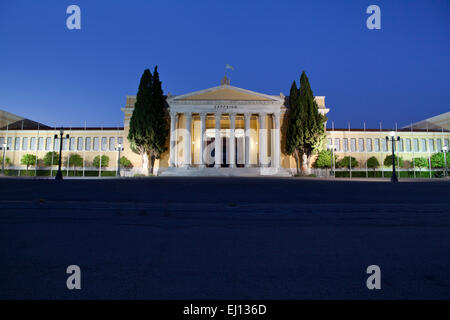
[(437, 160), (388, 161), (124, 162), (51, 158), (104, 163), (373, 163), (345, 162), (28, 160), (420, 162), (323, 159)]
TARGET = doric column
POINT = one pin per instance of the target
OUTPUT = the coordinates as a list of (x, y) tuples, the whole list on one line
[(247, 139), (262, 140), (202, 137), (187, 140), (173, 137), (232, 151), (218, 144), (276, 147)]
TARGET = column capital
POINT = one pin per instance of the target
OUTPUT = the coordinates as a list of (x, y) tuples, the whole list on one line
[(188, 114), (262, 114), (202, 114), (232, 115), (173, 114)]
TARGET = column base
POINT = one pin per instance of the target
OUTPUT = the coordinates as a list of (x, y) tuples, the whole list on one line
[(232, 165), (201, 166), (248, 165), (186, 166), (218, 165)]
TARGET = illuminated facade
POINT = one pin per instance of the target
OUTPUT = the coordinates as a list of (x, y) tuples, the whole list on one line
[(224, 130)]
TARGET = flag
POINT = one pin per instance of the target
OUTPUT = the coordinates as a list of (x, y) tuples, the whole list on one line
[(229, 67)]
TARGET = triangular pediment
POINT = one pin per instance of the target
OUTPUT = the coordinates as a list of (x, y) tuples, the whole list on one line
[(225, 93)]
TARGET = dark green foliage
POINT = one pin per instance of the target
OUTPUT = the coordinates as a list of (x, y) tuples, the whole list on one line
[(124, 162), (75, 160), (105, 161), (420, 162), (437, 160), (28, 160), (306, 132), (7, 161), (345, 162), (148, 124), (372, 163), (48, 158), (388, 161)]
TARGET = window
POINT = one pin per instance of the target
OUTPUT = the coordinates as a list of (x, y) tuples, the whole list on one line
[(408, 145), (416, 145), (345, 145), (48, 143), (431, 144), (103, 143), (2, 141), (96, 144), (40, 143), (25, 144), (120, 141), (400, 145), (71, 144), (377, 145), (424, 145), (80, 144), (87, 145), (33, 144), (438, 145), (9, 143), (361, 145), (17, 144), (56, 145), (384, 145), (446, 143), (369, 145), (337, 144), (64, 144), (111, 144), (329, 142)]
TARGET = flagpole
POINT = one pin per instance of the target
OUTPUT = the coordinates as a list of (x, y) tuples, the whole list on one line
[(365, 149), (413, 147)]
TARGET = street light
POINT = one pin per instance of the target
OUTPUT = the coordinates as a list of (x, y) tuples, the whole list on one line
[(4, 147), (392, 135), (59, 175), (118, 149), (444, 150)]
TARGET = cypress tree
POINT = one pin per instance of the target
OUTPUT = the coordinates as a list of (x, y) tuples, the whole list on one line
[(294, 132), (148, 124), (306, 131)]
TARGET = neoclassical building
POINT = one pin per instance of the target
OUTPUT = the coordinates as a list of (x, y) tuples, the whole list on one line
[(223, 130)]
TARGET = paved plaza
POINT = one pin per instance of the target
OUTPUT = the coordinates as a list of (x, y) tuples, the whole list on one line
[(224, 238)]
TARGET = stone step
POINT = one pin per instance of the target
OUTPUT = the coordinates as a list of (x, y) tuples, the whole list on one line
[(223, 172)]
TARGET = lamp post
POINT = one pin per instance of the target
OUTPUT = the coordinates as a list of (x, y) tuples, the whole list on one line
[(59, 175), (444, 150), (118, 149), (332, 149), (392, 135), (4, 147)]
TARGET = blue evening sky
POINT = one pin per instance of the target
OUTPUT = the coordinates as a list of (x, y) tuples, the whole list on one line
[(65, 77)]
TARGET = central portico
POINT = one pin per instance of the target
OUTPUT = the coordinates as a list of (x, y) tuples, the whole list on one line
[(225, 127)]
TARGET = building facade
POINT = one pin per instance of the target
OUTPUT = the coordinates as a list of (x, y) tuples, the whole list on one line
[(223, 130)]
